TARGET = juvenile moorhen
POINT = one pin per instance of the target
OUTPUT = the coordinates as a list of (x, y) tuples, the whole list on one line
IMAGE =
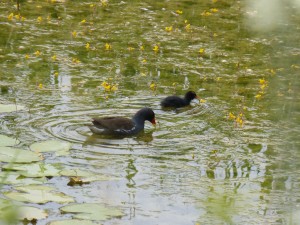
[(177, 102), (123, 126)]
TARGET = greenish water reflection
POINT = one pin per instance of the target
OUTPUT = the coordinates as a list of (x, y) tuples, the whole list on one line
[(199, 166)]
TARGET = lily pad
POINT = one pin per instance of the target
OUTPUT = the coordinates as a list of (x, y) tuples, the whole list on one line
[(38, 194), (59, 147), (36, 169), (16, 178), (10, 108), (8, 141), (54, 170), (9, 154), (8, 212), (32, 213), (92, 211), (72, 222)]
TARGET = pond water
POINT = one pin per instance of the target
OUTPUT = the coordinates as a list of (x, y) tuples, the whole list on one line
[(230, 158)]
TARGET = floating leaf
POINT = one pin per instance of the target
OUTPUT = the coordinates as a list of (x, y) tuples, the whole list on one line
[(31, 213), (59, 147), (10, 177), (9, 154), (10, 108), (92, 211), (8, 141), (8, 212), (54, 170), (72, 222), (36, 169), (38, 194)]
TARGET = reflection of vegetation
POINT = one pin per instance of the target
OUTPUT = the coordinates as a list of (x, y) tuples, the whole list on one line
[(131, 172), (92, 211)]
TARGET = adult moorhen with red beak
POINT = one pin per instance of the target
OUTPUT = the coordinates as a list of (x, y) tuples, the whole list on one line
[(123, 126), (177, 102)]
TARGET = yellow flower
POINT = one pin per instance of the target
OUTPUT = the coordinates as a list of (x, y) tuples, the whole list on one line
[(74, 34), (104, 84), (231, 116), (114, 88), (185, 21), (156, 48), (75, 60), (107, 46), (214, 1), (153, 86), (56, 74), (169, 29), (239, 121), (87, 46), (10, 16), (18, 16), (201, 50), (214, 10), (188, 27), (83, 21), (37, 53), (109, 87), (26, 56), (272, 71), (130, 48), (263, 86), (40, 86), (92, 5), (262, 81), (53, 57), (179, 11), (144, 61), (39, 19), (202, 100), (258, 96), (142, 48), (206, 13)]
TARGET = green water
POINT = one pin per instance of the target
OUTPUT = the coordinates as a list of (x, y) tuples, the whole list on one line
[(197, 166)]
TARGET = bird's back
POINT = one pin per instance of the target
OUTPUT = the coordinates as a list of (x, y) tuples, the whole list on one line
[(173, 101), (113, 123)]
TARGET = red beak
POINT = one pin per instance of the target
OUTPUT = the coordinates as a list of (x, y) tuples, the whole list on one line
[(153, 121)]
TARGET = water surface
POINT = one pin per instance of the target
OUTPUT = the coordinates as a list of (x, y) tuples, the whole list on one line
[(198, 166)]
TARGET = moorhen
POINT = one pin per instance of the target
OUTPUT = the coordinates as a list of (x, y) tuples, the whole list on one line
[(177, 102), (121, 125)]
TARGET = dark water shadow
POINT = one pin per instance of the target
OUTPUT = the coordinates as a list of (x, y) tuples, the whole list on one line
[(104, 139)]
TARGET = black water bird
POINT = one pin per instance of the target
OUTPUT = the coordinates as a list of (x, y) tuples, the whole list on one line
[(123, 126), (178, 102)]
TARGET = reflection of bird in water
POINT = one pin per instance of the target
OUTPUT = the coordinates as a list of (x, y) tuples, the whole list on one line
[(120, 126), (104, 139)]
